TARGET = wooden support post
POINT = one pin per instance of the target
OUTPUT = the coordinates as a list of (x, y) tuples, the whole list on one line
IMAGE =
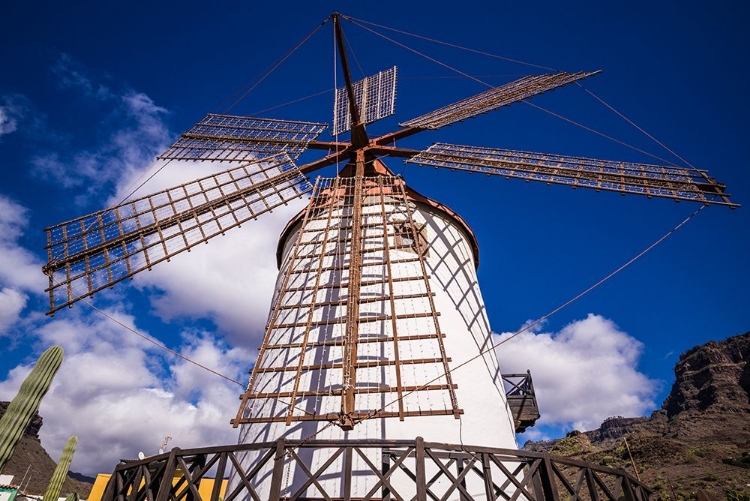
[(421, 479), (165, 486), (489, 486), (348, 453), (386, 465), (536, 481), (459, 470), (358, 133), (548, 480), (627, 488), (278, 470), (216, 492), (591, 484)]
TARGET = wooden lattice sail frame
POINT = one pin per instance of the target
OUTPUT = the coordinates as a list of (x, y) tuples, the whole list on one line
[(364, 206), (357, 285)]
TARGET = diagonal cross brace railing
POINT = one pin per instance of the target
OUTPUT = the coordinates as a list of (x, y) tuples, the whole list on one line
[(409, 469)]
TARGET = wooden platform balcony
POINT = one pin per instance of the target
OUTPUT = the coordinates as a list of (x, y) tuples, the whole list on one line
[(519, 391)]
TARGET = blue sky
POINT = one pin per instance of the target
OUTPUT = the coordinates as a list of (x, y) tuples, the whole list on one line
[(91, 92)]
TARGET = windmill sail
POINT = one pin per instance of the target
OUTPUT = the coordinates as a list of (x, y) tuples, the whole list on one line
[(375, 97), (235, 138), (677, 183), (493, 99), (96, 251)]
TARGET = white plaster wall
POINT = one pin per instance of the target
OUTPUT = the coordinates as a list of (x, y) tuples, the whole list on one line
[(486, 420)]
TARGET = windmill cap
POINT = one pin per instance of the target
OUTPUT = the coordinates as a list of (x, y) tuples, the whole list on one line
[(414, 196)]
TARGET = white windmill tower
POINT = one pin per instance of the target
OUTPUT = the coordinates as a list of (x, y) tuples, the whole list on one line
[(377, 301)]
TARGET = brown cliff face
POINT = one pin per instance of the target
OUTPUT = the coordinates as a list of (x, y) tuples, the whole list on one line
[(696, 441), (614, 428), (713, 377)]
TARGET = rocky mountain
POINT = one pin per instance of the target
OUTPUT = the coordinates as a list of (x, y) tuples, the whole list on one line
[(697, 443), (31, 464), (713, 377)]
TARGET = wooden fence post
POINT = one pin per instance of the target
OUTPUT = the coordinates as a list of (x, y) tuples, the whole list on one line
[(421, 479), (548, 480), (278, 470)]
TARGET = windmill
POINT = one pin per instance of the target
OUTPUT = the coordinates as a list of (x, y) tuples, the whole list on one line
[(377, 296)]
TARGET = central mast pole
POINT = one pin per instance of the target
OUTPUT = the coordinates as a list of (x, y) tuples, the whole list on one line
[(359, 143), (359, 135), (352, 303)]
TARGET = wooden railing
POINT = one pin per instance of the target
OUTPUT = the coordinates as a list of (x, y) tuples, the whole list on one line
[(367, 469)]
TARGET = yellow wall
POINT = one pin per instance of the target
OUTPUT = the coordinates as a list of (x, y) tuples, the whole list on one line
[(206, 486), (99, 484)]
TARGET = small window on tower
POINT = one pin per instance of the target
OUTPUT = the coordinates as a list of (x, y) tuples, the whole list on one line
[(405, 240)]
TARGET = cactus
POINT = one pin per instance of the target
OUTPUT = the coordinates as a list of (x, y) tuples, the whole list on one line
[(26, 402), (73, 497), (61, 471)]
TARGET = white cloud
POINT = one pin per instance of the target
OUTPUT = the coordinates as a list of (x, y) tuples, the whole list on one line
[(13, 109), (229, 280), (583, 374), (12, 303), (134, 147), (8, 123), (13, 219), (139, 137), (73, 75), (19, 268), (534, 434), (121, 395)]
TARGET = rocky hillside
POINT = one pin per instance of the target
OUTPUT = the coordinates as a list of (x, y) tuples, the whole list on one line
[(698, 441), (31, 461)]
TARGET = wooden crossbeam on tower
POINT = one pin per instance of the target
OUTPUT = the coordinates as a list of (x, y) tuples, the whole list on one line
[(321, 333)]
